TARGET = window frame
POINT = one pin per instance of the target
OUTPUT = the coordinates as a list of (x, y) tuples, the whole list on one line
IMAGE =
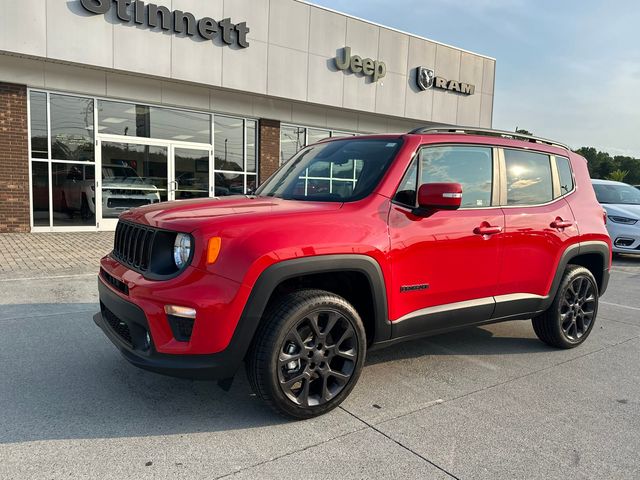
[(495, 176), (556, 192)]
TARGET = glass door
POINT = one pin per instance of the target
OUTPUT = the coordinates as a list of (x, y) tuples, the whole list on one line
[(130, 175), (191, 173)]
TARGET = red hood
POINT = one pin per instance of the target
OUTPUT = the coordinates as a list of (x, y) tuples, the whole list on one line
[(189, 215)]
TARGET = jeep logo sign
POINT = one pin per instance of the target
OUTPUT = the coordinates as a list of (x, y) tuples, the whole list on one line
[(356, 64), (176, 21), (426, 78)]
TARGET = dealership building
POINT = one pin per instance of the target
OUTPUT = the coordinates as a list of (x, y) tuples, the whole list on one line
[(110, 104)]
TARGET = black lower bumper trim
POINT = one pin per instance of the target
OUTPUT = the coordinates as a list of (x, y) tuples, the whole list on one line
[(199, 367)]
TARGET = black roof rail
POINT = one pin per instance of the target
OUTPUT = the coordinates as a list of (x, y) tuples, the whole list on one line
[(486, 132)]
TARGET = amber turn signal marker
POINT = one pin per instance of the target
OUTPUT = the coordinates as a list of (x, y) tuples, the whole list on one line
[(213, 250)]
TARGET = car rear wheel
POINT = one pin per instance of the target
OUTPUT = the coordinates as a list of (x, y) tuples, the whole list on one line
[(570, 319), (308, 353)]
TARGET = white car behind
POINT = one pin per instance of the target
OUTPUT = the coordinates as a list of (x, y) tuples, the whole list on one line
[(622, 204)]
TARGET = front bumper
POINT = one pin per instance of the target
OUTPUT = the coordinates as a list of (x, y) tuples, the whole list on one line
[(625, 238), (131, 335)]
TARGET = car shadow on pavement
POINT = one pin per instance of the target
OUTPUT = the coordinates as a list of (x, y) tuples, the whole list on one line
[(476, 341)]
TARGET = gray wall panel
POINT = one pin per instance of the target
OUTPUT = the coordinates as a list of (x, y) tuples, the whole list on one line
[(289, 24), (394, 49), (282, 61), (254, 12), (390, 94), (245, 69), (488, 76), (363, 38), (325, 82), (327, 32), (28, 35), (290, 58), (75, 36), (75, 79)]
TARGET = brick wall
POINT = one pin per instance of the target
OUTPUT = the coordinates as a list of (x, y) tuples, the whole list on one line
[(14, 159), (269, 148)]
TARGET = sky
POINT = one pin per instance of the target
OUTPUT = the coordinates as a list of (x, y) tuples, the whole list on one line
[(566, 69)]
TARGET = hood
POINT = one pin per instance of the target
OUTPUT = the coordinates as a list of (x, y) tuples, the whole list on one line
[(622, 210), (189, 215)]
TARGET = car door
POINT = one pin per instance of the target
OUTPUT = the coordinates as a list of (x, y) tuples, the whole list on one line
[(445, 264), (539, 225)]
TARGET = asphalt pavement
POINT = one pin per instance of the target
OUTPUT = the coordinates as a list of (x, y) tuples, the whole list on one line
[(489, 403)]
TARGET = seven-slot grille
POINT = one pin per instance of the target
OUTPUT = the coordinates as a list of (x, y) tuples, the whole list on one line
[(133, 244)]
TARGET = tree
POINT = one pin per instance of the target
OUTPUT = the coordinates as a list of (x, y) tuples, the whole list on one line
[(618, 175)]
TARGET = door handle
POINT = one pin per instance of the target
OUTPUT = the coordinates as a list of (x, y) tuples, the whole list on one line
[(559, 223), (486, 229)]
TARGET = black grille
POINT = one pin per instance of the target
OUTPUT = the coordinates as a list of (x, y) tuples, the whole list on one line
[(118, 326), (133, 244), (114, 282)]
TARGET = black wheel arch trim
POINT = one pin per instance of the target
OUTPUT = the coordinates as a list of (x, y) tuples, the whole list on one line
[(573, 251), (279, 272)]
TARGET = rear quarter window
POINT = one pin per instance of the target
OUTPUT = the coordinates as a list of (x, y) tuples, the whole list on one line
[(565, 175)]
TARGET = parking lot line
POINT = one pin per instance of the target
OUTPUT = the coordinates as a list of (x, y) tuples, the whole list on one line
[(618, 305)]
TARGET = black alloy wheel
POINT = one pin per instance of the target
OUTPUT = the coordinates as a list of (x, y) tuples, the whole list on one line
[(578, 308), (317, 358), (570, 318), (307, 354)]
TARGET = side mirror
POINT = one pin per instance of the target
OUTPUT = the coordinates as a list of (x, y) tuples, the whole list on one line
[(439, 196)]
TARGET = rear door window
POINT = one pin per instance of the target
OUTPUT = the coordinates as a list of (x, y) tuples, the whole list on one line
[(528, 178)]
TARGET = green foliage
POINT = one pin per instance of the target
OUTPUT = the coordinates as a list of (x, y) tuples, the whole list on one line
[(618, 175), (603, 165)]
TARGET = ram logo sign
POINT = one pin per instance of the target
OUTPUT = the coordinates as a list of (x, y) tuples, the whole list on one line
[(426, 79)]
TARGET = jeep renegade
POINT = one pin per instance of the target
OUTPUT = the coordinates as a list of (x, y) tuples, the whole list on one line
[(353, 244)]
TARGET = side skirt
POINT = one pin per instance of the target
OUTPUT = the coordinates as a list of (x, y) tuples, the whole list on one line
[(446, 318)]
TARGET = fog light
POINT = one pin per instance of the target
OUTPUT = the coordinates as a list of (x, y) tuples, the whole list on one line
[(624, 242), (147, 339), (182, 312)]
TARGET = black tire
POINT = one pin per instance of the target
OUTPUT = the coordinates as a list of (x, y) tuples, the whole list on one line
[(570, 318), (289, 356)]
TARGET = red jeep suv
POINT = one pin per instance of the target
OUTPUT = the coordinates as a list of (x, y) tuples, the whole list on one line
[(353, 244)]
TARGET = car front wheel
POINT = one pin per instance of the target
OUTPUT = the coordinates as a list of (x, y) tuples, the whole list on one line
[(308, 353)]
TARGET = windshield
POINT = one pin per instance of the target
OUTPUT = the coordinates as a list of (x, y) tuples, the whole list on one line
[(336, 171), (620, 194)]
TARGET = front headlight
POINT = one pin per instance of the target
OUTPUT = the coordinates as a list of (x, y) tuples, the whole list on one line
[(623, 220), (182, 250)]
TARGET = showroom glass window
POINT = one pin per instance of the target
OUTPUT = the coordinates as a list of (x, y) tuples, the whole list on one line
[(294, 138), (62, 160), (144, 121), (184, 154), (235, 155), (528, 178)]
